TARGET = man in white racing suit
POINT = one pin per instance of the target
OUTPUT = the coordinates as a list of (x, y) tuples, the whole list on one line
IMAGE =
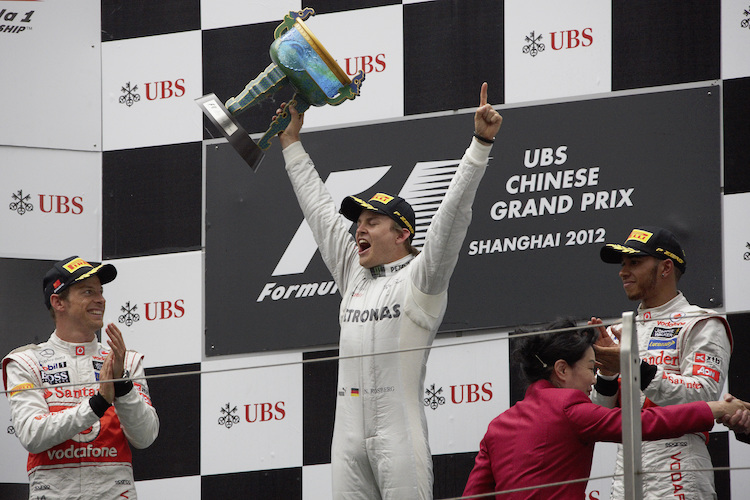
[(76, 429), (392, 300), (684, 351)]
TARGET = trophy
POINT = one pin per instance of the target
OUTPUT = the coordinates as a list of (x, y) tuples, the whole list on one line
[(299, 60)]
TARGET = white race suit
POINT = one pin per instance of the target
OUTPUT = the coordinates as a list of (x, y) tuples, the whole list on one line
[(380, 447)]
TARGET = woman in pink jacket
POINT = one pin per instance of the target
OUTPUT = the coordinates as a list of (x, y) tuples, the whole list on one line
[(549, 436)]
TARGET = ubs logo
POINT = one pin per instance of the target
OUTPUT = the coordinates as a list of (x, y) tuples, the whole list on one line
[(228, 416), (164, 89), (460, 394), (565, 39), (254, 413), (47, 203)]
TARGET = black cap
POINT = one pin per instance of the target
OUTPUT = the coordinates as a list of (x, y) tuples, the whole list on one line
[(646, 240), (394, 207), (70, 270)]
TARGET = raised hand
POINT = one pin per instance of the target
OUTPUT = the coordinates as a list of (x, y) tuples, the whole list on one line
[(487, 121)]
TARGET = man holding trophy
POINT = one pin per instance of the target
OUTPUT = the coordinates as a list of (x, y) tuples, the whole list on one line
[(393, 301)]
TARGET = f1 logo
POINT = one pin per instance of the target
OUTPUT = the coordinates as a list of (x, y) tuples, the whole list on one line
[(301, 249), (435, 174)]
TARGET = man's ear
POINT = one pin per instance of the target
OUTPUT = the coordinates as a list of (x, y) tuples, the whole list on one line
[(403, 236), (667, 267), (57, 302)]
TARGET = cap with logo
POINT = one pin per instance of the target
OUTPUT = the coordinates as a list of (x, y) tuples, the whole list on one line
[(394, 207), (71, 270), (646, 240)]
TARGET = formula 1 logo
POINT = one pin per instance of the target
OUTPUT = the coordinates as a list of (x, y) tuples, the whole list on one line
[(424, 190)]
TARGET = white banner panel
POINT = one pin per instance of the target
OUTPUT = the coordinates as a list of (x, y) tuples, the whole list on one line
[(466, 386), (148, 90), (316, 482), (370, 40), (736, 250), (184, 488), (251, 419), (51, 65), (223, 13), (157, 303), (557, 49), (735, 38), (52, 203), (13, 457)]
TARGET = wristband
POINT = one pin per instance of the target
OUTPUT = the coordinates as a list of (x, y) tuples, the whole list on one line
[(99, 405), (606, 387), (123, 387), (648, 372), (488, 141)]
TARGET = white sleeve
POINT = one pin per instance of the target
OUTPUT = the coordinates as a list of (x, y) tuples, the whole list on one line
[(448, 227), (36, 426), (138, 418), (704, 364), (330, 229)]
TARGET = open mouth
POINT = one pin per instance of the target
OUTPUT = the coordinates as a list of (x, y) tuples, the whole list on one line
[(363, 245)]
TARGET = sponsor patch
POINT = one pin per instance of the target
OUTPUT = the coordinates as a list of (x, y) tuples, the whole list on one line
[(664, 333), (639, 235), (707, 359), (80, 350), (382, 198), (20, 388), (75, 264), (654, 344), (706, 372), (55, 378)]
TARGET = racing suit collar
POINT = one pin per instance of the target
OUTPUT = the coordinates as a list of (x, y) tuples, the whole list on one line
[(74, 349), (389, 269), (655, 311)]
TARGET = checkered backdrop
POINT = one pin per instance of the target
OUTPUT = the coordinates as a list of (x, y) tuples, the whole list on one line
[(104, 154)]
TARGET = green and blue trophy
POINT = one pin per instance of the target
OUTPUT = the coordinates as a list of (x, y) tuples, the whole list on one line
[(299, 60)]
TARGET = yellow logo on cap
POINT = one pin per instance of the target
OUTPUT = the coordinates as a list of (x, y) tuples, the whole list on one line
[(21, 387), (621, 248), (382, 198), (639, 235), (403, 219), (671, 255), (75, 264)]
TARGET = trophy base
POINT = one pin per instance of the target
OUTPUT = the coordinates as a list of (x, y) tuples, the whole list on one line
[(240, 140)]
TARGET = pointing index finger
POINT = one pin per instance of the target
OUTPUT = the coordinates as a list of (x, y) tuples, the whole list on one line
[(483, 95)]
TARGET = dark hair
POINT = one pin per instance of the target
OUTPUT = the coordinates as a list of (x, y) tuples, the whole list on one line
[(537, 354)]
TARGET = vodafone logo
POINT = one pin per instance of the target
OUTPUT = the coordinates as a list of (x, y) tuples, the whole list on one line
[(80, 350)]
